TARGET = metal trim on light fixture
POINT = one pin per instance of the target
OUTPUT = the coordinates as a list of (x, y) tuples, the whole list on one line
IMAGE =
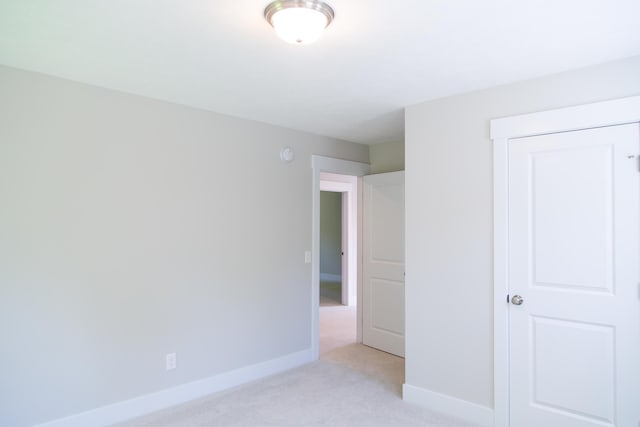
[(279, 5)]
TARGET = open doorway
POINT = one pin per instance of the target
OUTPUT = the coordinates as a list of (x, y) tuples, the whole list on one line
[(331, 249), (330, 169), (338, 290)]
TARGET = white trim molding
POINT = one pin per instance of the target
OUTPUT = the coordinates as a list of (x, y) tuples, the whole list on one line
[(122, 411), (606, 113), (503, 132), (339, 166), (451, 406)]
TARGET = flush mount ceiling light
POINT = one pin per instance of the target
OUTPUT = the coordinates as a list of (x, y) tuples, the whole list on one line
[(299, 21)]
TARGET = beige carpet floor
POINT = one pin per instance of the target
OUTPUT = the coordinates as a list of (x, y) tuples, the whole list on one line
[(330, 293), (351, 385), (337, 327)]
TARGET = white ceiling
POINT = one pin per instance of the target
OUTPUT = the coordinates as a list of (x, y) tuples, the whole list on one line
[(376, 57)]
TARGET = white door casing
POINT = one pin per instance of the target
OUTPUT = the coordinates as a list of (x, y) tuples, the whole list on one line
[(383, 300), (566, 205), (349, 288)]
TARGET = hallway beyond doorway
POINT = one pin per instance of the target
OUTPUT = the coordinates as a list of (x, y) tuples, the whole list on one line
[(330, 293)]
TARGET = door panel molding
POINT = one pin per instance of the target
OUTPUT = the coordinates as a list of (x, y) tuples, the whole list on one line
[(503, 132)]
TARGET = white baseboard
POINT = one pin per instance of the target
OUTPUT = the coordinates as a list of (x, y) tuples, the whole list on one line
[(327, 277), (458, 408), (122, 411)]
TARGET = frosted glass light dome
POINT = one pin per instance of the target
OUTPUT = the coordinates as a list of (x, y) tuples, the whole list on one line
[(299, 21)]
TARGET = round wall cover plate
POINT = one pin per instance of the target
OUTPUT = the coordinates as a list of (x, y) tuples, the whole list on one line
[(287, 155)]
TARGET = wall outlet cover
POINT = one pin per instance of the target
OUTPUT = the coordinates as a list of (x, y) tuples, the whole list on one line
[(170, 361)]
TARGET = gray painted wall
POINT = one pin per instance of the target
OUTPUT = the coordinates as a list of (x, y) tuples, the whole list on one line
[(387, 157), (449, 207), (131, 228), (330, 233)]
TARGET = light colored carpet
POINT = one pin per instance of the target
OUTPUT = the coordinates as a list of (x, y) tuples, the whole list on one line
[(351, 385), (330, 293), (337, 327)]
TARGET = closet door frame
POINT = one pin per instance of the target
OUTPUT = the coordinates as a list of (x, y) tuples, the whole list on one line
[(607, 113)]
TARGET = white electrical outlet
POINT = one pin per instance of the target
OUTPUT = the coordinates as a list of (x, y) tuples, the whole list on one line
[(307, 257), (170, 361)]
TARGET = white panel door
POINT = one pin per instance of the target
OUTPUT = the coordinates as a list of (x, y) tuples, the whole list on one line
[(574, 260), (383, 262)]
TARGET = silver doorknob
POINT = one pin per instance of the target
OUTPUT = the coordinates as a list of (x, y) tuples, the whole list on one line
[(517, 300)]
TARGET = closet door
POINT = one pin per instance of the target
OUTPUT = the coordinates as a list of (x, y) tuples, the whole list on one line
[(574, 303)]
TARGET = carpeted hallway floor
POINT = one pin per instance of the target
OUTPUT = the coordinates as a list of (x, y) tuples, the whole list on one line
[(330, 293), (351, 385)]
